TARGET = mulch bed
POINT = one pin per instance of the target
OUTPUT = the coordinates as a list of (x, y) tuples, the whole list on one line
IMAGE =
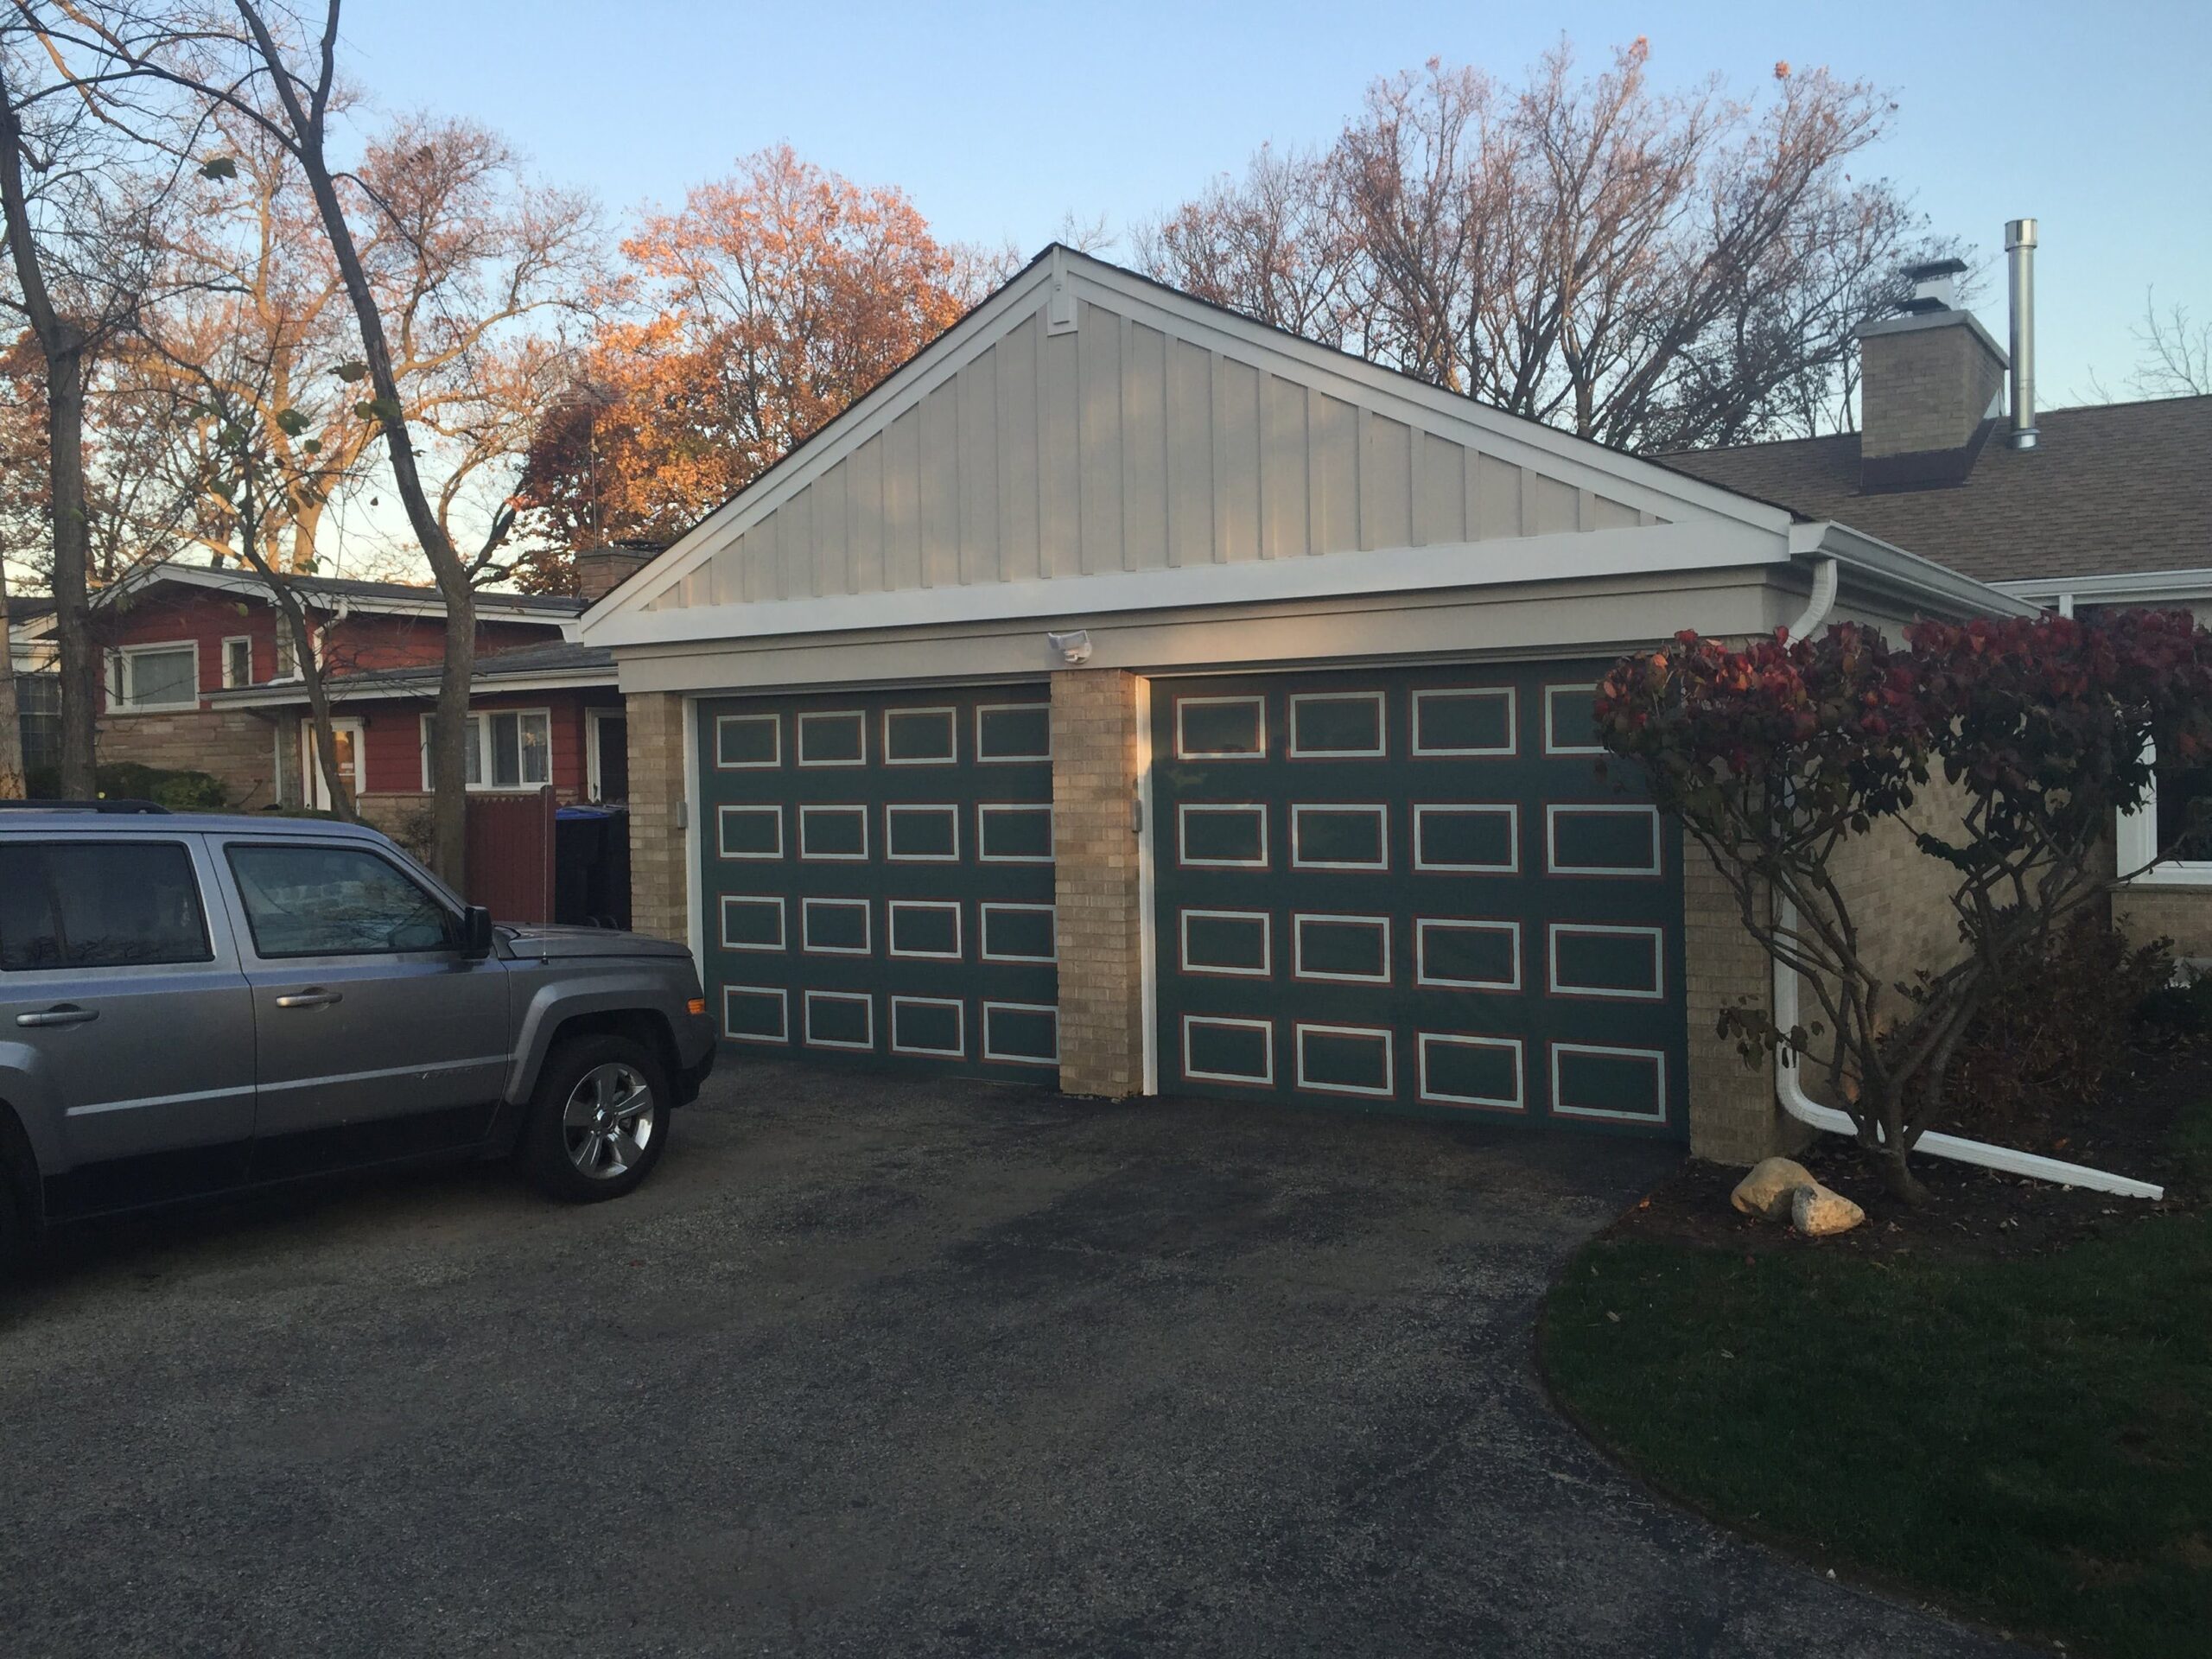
[(2129, 1129)]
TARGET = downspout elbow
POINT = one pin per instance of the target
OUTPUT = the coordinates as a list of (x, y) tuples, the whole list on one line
[(1819, 605), (1789, 1093)]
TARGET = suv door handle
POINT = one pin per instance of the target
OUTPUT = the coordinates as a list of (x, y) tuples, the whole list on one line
[(310, 999), (67, 1014)]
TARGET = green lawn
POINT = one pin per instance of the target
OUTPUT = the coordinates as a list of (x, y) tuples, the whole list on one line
[(2027, 1441)]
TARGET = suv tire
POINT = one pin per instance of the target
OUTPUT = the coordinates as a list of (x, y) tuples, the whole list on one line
[(16, 1238), (598, 1119)]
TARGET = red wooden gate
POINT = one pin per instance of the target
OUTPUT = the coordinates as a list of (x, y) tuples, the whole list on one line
[(511, 855)]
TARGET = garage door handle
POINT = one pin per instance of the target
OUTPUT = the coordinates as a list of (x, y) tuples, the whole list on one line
[(61, 1016), (310, 999)]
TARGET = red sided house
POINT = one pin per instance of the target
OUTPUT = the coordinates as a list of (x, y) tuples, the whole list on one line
[(201, 676)]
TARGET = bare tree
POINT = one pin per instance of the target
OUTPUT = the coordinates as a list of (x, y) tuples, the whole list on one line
[(420, 280), (2177, 352), (76, 199), (1650, 270), (1269, 246)]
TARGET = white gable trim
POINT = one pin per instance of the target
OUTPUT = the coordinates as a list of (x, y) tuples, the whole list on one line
[(1049, 288)]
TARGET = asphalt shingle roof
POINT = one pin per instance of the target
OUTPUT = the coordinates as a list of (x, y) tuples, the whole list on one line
[(2111, 488)]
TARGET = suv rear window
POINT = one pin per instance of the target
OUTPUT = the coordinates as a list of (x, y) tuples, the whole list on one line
[(103, 904)]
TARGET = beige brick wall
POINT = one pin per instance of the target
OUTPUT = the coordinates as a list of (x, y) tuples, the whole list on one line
[(1899, 897), (1925, 388), (1733, 1116), (660, 886), (231, 744), (2182, 914), (1096, 877)]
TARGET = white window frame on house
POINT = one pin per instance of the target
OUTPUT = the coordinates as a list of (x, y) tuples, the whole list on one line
[(479, 723), (595, 719), (288, 653), (2136, 844), (121, 672), (231, 680)]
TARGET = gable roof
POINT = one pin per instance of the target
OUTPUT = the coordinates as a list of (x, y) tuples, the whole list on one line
[(2110, 489), (1086, 427)]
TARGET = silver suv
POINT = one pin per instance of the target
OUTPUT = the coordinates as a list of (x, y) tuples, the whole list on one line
[(195, 1004)]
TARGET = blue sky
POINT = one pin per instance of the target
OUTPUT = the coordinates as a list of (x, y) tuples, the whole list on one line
[(999, 120)]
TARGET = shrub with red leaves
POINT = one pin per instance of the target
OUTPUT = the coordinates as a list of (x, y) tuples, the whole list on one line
[(1777, 751)]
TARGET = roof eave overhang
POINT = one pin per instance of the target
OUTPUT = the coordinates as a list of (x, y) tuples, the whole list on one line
[(488, 605), (288, 696), (1880, 568), (2128, 587)]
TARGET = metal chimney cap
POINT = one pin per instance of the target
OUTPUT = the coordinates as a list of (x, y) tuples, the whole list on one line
[(1935, 268), (2020, 234)]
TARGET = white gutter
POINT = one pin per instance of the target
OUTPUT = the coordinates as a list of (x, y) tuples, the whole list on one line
[(1790, 1091)]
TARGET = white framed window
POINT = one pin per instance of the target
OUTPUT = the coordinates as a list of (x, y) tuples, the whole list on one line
[(288, 655), (153, 677), (2163, 821), (507, 748), (237, 661)]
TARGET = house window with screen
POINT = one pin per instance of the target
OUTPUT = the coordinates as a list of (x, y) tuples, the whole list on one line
[(506, 749), (154, 676)]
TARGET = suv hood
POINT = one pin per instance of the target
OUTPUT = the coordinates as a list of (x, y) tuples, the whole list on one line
[(546, 942)]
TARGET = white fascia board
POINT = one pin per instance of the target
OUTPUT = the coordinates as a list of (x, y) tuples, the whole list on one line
[(2133, 587), (1568, 556), (1510, 437), (1891, 569)]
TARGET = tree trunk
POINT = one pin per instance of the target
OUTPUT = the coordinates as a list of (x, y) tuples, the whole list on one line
[(326, 735), (61, 345), (13, 784), (448, 757), (1898, 1179), (80, 660)]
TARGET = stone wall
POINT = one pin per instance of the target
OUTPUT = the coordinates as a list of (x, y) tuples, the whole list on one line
[(1096, 886), (231, 744)]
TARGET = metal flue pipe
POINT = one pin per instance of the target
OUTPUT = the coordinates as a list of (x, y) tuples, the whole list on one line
[(2020, 256)]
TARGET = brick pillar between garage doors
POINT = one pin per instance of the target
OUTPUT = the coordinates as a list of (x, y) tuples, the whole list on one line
[(1098, 897), (660, 878)]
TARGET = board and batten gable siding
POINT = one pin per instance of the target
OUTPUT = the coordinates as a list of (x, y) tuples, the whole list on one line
[(1121, 446)]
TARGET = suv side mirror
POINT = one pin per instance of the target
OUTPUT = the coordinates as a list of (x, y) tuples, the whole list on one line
[(476, 933)]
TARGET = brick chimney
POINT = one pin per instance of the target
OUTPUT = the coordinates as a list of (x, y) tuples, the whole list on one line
[(601, 570), (1931, 387)]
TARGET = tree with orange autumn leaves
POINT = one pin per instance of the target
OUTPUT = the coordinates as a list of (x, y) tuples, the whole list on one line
[(742, 325)]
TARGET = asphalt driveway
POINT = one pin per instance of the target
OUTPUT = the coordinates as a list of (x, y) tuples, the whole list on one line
[(870, 1368)]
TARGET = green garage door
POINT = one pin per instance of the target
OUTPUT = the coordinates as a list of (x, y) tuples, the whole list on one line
[(877, 876), (1411, 890)]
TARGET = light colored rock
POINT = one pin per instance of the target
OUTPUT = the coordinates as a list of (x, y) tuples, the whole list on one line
[(1816, 1212), (1766, 1191)]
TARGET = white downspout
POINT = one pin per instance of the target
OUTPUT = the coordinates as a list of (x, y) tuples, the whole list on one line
[(1791, 1092)]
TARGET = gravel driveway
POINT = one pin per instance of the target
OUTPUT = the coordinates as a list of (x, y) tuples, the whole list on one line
[(870, 1368)]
